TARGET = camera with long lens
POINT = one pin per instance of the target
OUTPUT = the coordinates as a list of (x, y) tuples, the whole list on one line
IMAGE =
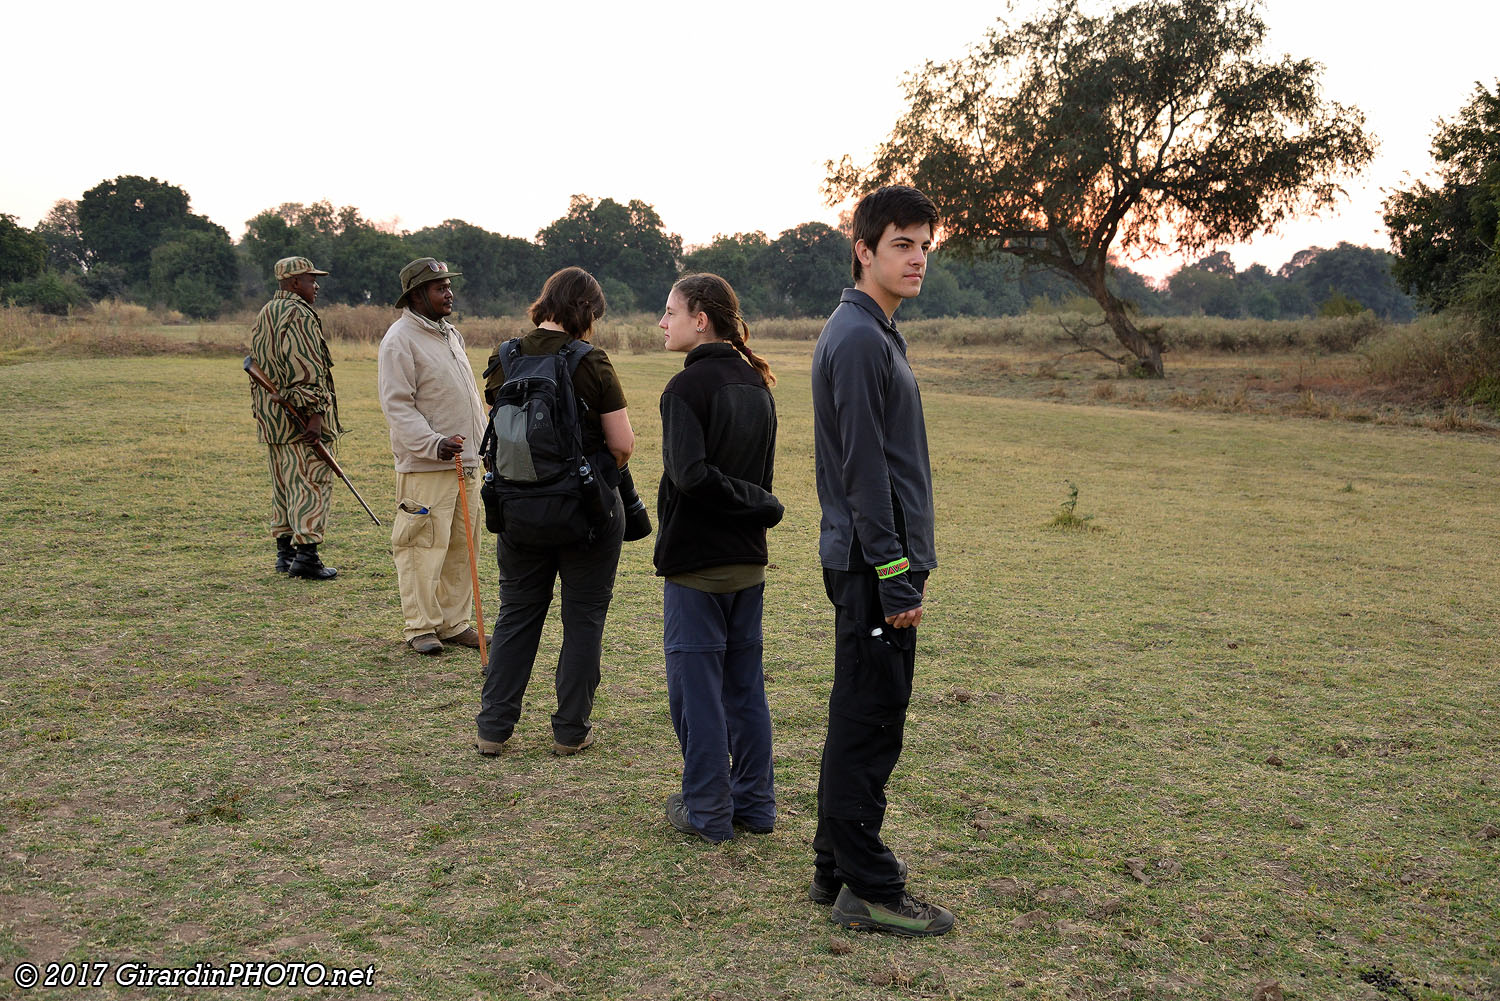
[(637, 521)]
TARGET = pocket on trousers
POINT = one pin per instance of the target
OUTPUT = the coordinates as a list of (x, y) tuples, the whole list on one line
[(413, 526), (877, 686)]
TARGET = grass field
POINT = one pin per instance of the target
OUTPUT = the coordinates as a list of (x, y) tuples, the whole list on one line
[(1240, 741)]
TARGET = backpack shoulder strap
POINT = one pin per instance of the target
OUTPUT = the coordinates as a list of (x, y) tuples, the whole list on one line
[(573, 352), (504, 353)]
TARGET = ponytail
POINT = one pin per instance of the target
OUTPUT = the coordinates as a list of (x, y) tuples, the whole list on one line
[(758, 363)]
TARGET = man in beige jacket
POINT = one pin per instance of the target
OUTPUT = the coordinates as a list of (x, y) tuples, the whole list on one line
[(432, 405)]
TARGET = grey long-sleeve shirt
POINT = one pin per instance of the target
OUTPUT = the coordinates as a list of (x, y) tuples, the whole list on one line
[(870, 442)]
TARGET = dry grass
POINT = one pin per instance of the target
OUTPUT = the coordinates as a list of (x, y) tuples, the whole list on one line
[(112, 329)]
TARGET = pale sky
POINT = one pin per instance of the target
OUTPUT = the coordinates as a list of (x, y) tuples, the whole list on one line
[(720, 115)]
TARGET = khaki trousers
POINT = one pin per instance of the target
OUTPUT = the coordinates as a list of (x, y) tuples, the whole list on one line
[(432, 562), (301, 488)]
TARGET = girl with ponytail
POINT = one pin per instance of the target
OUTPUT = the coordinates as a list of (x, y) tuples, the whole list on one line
[(714, 506)]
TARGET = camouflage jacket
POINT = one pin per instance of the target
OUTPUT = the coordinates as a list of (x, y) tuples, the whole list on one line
[(287, 343)]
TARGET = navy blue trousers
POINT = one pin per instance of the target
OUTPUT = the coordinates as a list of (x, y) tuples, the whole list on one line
[(717, 691), (872, 681)]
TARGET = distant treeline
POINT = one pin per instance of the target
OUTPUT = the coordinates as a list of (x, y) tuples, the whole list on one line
[(137, 239)]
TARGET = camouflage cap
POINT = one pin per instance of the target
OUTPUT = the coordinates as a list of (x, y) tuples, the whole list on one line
[(289, 267), (420, 272)]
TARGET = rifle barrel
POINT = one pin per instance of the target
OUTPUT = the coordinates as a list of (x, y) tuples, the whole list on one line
[(259, 378)]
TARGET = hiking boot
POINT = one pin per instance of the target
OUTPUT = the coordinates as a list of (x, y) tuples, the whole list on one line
[(677, 816), (564, 750), (489, 748), (908, 916), (284, 553), (305, 564), (427, 643), (469, 638), (824, 892)]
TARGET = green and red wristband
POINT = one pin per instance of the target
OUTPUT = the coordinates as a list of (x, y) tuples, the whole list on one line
[(893, 569)]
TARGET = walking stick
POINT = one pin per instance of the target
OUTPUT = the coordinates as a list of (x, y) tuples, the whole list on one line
[(259, 378), (463, 498)]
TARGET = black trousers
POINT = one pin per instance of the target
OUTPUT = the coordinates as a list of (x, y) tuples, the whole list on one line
[(526, 579), (872, 680)]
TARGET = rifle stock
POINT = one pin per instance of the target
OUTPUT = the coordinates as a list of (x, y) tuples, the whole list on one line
[(259, 378)]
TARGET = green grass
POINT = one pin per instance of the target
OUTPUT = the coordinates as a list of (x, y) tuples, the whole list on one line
[(205, 761)]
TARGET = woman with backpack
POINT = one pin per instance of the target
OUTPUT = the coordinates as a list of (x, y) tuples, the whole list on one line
[(531, 557), (714, 506)]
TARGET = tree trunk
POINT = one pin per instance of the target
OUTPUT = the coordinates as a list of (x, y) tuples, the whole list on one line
[(1145, 345)]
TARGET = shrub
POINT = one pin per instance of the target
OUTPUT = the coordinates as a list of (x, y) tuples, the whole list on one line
[(1447, 350), (1345, 332), (103, 281), (365, 324), (192, 295), (48, 293), (1340, 304)]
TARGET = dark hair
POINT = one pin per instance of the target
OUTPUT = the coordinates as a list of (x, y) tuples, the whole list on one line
[(572, 299), (712, 295), (894, 203)]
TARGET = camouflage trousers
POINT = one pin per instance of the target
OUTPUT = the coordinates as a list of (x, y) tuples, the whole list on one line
[(301, 488)]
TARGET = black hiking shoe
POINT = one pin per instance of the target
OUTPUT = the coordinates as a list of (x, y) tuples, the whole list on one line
[(284, 553), (908, 916), (305, 564), (745, 825), (821, 891)]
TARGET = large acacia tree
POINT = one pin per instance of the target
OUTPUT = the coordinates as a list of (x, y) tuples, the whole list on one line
[(1075, 135)]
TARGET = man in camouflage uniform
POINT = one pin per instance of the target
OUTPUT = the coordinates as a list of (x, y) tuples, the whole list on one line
[(287, 343)]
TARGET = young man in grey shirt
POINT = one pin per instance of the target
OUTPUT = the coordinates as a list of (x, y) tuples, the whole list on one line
[(876, 548)]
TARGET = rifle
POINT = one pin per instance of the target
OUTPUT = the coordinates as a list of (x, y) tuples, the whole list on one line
[(259, 378)]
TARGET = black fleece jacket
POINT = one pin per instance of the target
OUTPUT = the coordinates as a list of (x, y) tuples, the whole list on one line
[(718, 445)]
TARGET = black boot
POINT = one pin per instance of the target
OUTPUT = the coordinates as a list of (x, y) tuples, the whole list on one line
[(305, 564), (283, 553)]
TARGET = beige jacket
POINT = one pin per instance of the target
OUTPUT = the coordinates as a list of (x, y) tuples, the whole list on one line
[(428, 393)]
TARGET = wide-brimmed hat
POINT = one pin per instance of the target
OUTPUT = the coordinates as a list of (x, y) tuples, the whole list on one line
[(289, 267), (420, 272)]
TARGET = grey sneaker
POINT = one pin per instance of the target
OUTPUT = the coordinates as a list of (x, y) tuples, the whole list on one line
[(824, 892), (908, 916), (677, 816)]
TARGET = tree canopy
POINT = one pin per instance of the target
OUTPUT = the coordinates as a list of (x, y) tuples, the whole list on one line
[(624, 243), (1445, 235), (22, 252), (123, 220), (1357, 278), (1072, 136), (194, 268), (364, 260), (500, 273)]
